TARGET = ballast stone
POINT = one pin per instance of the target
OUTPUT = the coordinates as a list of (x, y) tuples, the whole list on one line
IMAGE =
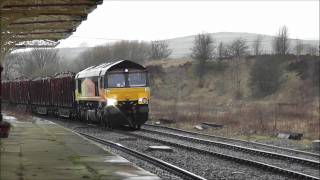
[(198, 127), (283, 136), (161, 148), (290, 135), (127, 139)]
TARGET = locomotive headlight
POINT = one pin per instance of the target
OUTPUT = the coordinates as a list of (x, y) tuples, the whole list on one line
[(111, 102), (143, 101)]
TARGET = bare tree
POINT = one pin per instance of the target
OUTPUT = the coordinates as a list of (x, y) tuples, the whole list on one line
[(222, 51), (257, 47), (44, 56), (160, 50), (238, 49), (93, 56), (312, 50), (24, 67), (203, 50), (139, 51), (18, 65), (299, 48), (9, 66), (281, 43), (35, 62), (131, 50)]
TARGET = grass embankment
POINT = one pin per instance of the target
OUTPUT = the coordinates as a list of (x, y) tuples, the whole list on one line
[(293, 107)]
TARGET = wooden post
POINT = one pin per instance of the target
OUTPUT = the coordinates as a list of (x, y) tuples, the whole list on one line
[(1, 68)]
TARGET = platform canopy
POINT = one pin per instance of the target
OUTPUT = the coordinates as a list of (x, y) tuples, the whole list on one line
[(29, 23)]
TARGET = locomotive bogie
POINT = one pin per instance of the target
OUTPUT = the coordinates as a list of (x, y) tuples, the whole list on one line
[(42, 110), (64, 112)]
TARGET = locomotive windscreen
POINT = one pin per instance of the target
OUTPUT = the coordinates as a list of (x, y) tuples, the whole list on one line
[(116, 80), (137, 79), (131, 79)]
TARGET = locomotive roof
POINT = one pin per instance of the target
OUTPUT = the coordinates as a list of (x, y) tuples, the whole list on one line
[(100, 70)]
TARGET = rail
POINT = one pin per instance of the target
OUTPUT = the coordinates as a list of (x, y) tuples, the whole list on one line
[(245, 161), (167, 166), (239, 140)]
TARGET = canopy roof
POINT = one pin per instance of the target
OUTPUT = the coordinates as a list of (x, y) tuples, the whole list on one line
[(102, 69), (49, 20)]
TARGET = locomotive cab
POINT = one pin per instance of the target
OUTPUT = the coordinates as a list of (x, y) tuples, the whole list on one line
[(114, 94)]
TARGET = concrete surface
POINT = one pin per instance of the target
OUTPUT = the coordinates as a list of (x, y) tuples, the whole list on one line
[(42, 150)]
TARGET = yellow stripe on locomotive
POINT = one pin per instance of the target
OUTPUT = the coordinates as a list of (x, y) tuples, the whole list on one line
[(114, 95)]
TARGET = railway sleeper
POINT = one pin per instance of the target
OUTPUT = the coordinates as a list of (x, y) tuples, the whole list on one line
[(311, 163), (233, 158)]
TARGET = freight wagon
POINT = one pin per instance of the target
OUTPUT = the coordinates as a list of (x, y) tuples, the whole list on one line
[(111, 94)]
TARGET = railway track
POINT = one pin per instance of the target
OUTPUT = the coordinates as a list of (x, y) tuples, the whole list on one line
[(255, 145), (312, 163), (222, 158), (167, 166), (246, 161)]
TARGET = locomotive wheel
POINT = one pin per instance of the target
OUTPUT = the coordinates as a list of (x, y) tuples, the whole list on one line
[(83, 116), (134, 126), (138, 127), (109, 124), (101, 121), (86, 117), (106, 121)]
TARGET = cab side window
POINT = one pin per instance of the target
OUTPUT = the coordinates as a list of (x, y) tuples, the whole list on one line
[(101, 82), (79, 85), (96, 87)]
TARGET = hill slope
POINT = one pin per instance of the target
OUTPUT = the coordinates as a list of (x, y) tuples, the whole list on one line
[(181, 46)]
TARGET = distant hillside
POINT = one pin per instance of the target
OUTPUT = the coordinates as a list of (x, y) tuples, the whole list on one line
[(181, 46)]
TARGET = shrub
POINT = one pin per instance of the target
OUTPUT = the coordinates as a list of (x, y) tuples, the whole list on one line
[(265, 75), (307, 68), (217, 66)]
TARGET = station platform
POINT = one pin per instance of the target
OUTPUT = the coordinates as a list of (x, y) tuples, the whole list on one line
[(43, 150)]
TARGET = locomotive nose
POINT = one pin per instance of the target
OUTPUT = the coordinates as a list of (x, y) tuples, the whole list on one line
[(127, 94)]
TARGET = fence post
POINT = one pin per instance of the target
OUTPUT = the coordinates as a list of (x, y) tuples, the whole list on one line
[(275, 117), (1, 68)]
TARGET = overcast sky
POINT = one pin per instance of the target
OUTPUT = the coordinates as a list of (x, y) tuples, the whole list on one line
[(154, 20)]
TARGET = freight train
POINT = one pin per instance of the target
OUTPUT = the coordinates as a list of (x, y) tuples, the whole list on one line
[(111, 94)]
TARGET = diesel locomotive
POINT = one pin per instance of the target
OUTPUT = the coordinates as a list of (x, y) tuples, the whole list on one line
[(111, 94)]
